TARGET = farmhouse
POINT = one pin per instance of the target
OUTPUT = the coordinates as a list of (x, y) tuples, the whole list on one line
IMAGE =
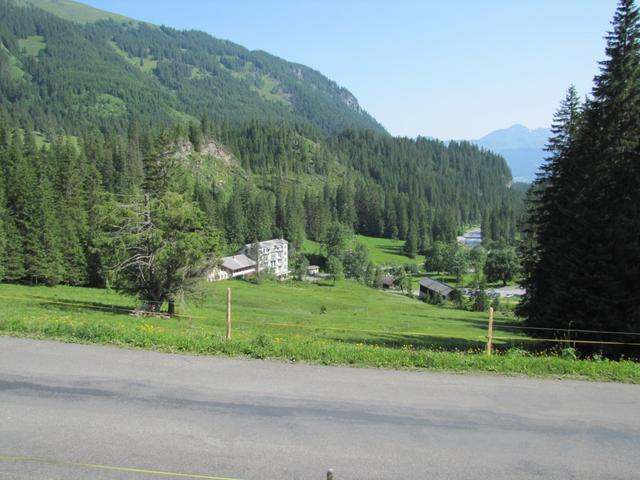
[(388, 281), (232, 267), (272, 257), (430, 287)]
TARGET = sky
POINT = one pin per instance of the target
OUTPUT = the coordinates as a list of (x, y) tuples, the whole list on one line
[(454, 69)]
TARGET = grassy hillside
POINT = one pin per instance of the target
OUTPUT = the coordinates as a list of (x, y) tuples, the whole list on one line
[(382, 251), (352, 313), (360, 326), (75, 11), (386, 251)]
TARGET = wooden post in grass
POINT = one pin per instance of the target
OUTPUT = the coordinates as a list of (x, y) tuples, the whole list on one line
[(228, 314), (490, 336)]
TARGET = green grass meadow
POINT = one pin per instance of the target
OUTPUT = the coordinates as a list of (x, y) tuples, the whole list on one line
[(32, 45), (386, 251), (345, 324), (382, 251)]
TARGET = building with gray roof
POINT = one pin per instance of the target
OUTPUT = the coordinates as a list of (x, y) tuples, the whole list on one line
[(429, 286), (272, 257)]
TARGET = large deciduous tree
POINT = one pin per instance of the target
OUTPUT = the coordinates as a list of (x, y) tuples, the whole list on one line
[(502, 264), (157, 244), (156, 248)]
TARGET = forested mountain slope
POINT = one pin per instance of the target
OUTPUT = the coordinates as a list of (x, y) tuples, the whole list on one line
[(94, 114), (63, 74)]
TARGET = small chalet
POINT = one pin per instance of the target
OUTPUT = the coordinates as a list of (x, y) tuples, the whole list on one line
[(388, 281), (429, 287), (313, 270)]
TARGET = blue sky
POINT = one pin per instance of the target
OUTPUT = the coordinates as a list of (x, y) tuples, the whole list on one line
[(446, 69)]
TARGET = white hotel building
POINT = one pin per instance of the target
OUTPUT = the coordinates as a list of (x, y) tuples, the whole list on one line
[(273, 257)]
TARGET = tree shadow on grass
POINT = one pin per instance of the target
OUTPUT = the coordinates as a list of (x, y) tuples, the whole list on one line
[(67, 305), (432, 342), (396, 250), (471, 322), (392, 249), (428, 342)]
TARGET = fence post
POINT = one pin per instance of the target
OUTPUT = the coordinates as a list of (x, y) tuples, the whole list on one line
[(330, 474), (490, 336), (228, 314)]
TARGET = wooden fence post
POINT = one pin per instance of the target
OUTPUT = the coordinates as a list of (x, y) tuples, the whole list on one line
[(490, 336), (228, 314)]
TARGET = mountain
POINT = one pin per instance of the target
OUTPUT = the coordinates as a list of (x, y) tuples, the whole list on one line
[(98, 110), (520, 146), (102, 70)]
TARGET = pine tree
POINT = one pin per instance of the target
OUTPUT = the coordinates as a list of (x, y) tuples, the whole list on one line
[(159, 166), (13, 255), (46, 263), (73, 217), (345, 204), (195, 135), (545, 242), (294, 230), (135, 167), (616, 118), (3, 230), (410, 248), (205, 126), (92, 192), (587, 273), (236, 220), (280, 208), (21, 192), (605, 254)]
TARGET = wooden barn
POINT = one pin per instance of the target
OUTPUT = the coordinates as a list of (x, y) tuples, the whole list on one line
[(430, 287)]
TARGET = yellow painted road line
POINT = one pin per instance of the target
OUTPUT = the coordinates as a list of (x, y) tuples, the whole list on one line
[(10, 458)]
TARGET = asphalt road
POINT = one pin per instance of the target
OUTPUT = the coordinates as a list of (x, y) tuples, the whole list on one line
[(109, 409)]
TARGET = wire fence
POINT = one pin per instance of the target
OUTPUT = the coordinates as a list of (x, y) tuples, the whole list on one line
[(565, 340), (569, 330), (562, 334), (565, 335)]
